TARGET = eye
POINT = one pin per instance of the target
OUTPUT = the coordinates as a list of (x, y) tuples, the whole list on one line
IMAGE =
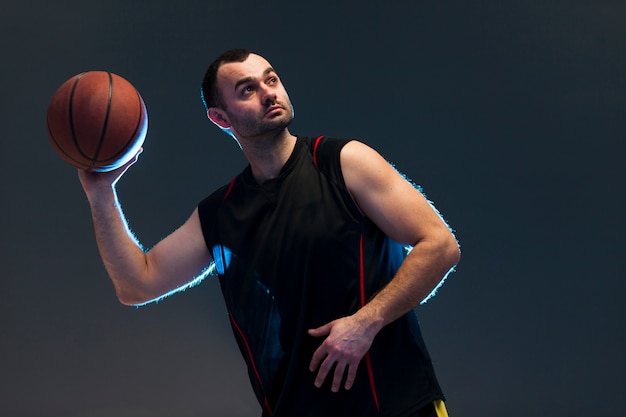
[(247, 90)]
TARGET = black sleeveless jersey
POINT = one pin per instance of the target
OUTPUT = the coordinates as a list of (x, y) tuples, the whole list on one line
[(295, 253)]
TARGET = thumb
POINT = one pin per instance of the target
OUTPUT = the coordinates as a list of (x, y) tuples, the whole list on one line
[(321, 331)]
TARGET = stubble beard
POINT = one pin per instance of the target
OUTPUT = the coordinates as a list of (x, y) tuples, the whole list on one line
[(259, 126)]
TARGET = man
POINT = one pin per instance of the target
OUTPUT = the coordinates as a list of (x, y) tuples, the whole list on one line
[(309, 244)]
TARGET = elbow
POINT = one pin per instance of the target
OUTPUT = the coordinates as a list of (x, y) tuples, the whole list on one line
[(130, 300), (132, 297), (453, 251), (133, 289), (449, 250)]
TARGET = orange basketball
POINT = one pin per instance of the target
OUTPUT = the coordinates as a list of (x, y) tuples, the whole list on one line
[(97, 121)]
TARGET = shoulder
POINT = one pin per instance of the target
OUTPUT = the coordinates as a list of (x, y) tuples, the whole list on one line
[(383, 194), (364, 166), (355, 150), (216, 197)]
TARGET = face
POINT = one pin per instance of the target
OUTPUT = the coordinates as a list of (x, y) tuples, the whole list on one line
[(255, 101)]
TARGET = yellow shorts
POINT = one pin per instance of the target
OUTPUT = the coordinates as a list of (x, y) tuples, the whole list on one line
[(440, 408)]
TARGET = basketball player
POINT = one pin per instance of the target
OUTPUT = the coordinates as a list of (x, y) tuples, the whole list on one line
[(310, 245)]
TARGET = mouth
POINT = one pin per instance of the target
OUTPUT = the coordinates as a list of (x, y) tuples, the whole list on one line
[(275, 108)]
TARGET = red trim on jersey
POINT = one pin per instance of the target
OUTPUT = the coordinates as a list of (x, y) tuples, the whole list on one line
[(317, 142), (361, 272), (230, 187), (256, 372), (368, 359)]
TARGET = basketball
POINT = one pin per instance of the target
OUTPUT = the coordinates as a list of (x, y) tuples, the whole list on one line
[(97, 121)]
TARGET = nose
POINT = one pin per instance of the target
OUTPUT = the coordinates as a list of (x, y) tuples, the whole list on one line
[(269, 95)]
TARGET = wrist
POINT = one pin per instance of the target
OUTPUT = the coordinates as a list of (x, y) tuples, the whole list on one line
[(371, 318), (101, 196)]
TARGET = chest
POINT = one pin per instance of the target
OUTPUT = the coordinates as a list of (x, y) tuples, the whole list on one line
[(303, 210)]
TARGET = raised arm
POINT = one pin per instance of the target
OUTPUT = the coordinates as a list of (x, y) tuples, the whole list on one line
[(403, 214), (139, 276)]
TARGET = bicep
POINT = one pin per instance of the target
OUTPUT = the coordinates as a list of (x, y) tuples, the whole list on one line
[(179, 258), (386, 197)]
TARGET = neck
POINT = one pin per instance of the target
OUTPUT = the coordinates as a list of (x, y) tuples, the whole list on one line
[(268, 155)]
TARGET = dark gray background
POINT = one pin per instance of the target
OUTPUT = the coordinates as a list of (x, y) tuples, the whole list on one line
[(510, 114)]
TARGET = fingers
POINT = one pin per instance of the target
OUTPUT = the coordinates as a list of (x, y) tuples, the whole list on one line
[(324, 359), (91, 180), (321, 331), (338, 377), (351, 377), (320, 353), (339, 355), (324, 368), (341, 367), (316, 360)]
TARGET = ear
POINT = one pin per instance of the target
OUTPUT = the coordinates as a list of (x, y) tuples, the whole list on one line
[(219, 117)]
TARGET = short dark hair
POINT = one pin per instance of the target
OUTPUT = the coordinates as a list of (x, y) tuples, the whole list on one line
[(209, 92)]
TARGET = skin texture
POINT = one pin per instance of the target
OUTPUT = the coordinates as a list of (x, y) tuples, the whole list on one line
[(256, 113)]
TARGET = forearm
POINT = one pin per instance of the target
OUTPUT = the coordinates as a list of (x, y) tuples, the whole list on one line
[(349, 338), (123, 257), (420, 273)]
